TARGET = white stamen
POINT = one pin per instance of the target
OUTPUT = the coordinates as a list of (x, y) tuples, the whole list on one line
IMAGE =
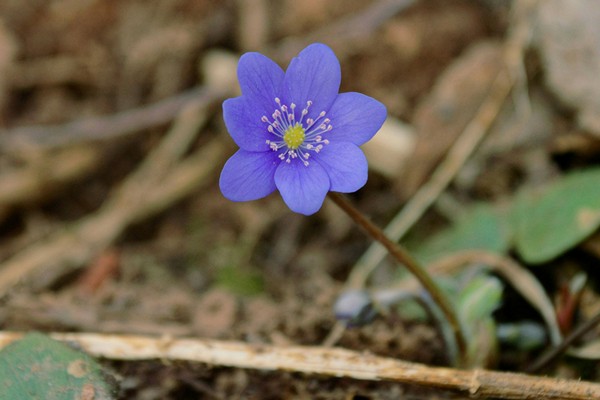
[(284, 119)]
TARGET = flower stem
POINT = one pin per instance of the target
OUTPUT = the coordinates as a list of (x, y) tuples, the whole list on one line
[(403, 257)]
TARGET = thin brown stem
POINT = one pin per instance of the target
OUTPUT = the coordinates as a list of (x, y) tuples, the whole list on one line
[(548, 357), (404, 258)]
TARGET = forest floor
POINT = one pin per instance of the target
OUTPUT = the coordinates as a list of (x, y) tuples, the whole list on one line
[(111, 128)]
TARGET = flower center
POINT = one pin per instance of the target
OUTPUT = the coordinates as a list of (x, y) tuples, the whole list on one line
[(294, 136), (296, 139)]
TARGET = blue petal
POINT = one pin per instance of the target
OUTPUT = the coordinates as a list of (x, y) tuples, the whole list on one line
[(355, 118), (313, 75), (243, 123), (303, 188), (261, 80), (346, 166), (248, 175)]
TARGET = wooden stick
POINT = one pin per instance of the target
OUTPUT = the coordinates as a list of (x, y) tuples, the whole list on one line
[(106, 127), (333, 362)]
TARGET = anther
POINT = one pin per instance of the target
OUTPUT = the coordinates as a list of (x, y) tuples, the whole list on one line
[(296, 139)]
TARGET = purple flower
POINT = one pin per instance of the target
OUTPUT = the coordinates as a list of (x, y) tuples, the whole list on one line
[(296, 133)]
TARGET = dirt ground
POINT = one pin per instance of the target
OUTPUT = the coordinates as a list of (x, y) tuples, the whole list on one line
[(159, 251)]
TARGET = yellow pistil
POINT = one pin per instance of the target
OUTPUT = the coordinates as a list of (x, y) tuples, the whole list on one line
[(294, 136)]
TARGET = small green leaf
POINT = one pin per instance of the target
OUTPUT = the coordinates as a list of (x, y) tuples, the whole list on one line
[(37, 367), (524, 335), (551, 221), (241, 281), (479, 299), (482, 228), (476, 303)]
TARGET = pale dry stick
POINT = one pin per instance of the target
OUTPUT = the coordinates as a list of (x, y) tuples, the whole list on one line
[(331, 362), (521, 34), (33, 181), (106, 127), (159, 163), (466, 144), (440, 179), (79, 242), (346, 30), (364, 22)]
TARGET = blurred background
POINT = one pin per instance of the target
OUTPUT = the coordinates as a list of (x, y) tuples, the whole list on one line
[(112, 141)]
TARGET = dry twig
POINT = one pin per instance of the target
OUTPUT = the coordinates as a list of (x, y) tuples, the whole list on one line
[(136, 199), (107, 127), (549, 356), (333, 362), (466, 144), (348, 29)]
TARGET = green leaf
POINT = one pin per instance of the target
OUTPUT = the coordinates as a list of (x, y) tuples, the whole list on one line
[(479, 299), (551, 221), (476, 303), (37, 367), (241, 281), (524, 335), (482, 228)]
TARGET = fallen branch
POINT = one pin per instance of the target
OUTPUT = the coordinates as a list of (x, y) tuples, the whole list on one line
[(346, 30), (107, 127), (333, 362)]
